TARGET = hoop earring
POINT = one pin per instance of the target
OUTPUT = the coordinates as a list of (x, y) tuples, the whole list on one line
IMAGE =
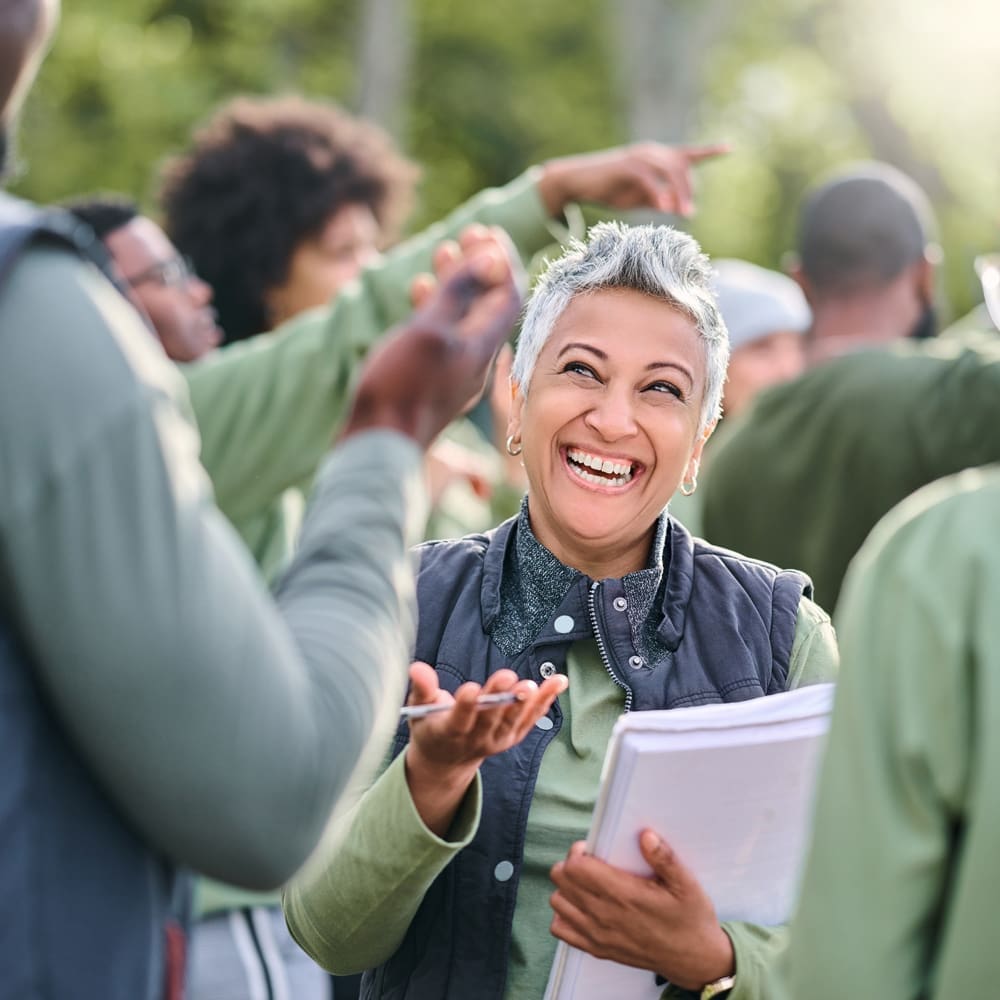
[(514, 446), (688, 486)]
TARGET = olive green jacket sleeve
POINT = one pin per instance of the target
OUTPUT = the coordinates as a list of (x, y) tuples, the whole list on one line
[(266, 408), (224, 728)]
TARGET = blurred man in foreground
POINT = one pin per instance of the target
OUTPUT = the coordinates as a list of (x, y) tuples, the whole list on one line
[(158, 708)]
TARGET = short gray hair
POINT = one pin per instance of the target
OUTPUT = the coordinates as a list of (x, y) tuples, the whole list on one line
[(655, 260)]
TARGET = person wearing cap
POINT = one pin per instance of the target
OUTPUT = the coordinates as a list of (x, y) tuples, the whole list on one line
[(881, 408), (766, 315)]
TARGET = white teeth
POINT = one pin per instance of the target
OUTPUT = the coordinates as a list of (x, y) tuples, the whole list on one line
[(622, 471), (589, 477)]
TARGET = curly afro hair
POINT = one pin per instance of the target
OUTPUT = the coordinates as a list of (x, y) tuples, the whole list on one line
[(260, 178)]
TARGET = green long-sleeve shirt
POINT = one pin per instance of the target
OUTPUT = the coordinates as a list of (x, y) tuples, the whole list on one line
[(353, 904), (899, 893), (222, 727), (267, 408)]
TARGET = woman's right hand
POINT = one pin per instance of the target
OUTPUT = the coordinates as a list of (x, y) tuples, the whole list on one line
[(446, 749)]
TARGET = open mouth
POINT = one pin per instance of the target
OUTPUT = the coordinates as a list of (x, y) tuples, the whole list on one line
[(600, 471)]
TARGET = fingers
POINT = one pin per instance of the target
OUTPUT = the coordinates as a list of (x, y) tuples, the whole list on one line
[(695, 154), (672, 186), (424, 687), (446, 258), (421, 289), (568, 923), (667, 867)]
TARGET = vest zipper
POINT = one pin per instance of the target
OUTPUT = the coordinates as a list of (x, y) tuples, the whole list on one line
[(601, 648)]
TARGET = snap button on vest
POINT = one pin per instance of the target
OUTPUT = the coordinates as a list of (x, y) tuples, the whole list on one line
[(620, 604), (503, 871), (547, 669), (563, 624), (544, 723)]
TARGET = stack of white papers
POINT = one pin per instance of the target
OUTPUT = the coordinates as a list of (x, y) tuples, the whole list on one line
[(730, 788)]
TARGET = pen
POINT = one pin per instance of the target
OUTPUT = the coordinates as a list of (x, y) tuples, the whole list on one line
[(483, 701)]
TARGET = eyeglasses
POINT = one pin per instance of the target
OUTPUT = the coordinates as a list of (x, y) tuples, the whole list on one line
[(175, 272), (988, 268)]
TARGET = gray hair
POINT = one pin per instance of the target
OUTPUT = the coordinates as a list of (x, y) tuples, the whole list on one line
[(655, 260)]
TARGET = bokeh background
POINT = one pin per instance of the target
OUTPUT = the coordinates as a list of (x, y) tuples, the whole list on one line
[(476, 91)]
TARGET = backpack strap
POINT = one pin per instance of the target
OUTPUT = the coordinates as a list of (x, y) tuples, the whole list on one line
[(23, 223)]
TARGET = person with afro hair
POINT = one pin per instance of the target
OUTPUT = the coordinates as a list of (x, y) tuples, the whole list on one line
[(279, 202)]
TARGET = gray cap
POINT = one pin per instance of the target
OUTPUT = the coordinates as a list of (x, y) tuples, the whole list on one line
[(756, 302)]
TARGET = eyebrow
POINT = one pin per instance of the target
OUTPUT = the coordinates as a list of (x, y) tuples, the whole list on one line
[(652, 366)]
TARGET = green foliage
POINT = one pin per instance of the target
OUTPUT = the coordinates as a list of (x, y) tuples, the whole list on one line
[(796, 85)]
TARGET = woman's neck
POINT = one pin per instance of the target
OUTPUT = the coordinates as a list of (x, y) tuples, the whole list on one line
[(599, 559)]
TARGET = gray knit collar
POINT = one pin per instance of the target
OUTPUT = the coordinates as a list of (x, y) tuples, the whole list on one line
[(534, 584)]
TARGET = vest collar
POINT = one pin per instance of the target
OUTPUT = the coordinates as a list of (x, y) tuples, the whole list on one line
[(524, 583)]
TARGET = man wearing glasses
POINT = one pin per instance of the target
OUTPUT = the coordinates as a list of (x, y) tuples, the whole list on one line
[(176, 303)]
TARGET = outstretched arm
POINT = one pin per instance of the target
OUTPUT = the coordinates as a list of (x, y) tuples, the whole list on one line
[(223, 728)]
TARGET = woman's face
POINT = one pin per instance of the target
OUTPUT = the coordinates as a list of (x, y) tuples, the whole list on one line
[(609, 427), (323, 264)]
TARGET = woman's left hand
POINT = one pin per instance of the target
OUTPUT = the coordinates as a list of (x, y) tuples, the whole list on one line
[(663, 922)]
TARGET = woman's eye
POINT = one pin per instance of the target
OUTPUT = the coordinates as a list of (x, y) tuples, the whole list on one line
[(579, 368), (665, 387)]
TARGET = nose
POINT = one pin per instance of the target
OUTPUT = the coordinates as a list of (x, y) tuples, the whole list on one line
[(201, 292), (613, 415)]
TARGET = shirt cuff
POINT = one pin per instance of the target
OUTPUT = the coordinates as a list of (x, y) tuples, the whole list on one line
[(464, 825)]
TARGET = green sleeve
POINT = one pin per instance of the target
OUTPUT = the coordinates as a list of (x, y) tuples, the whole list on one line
[(953, 422), (267, 408), (350, 907), (897, 766), (223, 729), (815, 658)]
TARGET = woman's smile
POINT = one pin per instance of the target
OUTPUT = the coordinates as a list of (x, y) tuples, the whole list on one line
[(597, 471)]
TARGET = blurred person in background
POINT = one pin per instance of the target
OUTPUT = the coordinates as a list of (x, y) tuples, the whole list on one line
[(767, 316), (159, 282), (280, 202), (881, 410)]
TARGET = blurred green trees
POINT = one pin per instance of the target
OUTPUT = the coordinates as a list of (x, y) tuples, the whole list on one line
[(796, 85)]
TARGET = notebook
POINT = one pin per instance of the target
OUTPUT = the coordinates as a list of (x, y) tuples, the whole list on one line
[(730, 788)]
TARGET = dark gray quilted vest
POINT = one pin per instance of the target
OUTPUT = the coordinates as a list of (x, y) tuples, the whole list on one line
[(726, 625)]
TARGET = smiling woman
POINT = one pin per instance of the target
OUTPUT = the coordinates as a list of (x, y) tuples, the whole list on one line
[(611, 427), (593, 601)]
